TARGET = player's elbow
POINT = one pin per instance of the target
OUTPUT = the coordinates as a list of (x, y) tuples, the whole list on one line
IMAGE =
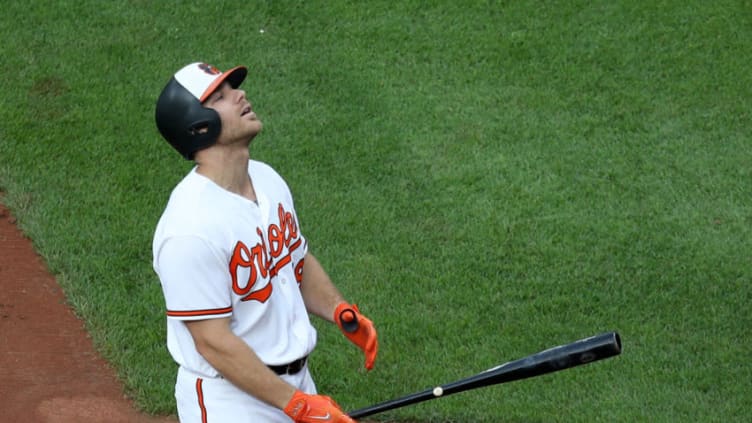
[(210, 336)]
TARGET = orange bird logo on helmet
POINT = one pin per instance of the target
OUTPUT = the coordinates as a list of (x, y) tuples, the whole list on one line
[(211, 70)]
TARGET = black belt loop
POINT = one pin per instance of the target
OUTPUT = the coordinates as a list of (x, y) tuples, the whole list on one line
[(290, 368)]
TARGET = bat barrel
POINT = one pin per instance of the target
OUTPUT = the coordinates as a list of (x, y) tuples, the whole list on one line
[(551, 360)]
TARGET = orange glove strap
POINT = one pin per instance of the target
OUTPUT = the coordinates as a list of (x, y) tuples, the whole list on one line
[(359, 330), (305, 408)]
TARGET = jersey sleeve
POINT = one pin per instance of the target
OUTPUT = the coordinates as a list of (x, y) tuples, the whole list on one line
[(194, 279)]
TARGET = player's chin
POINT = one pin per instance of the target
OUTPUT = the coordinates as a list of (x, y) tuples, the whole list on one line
[(252, 122), (255, 127)]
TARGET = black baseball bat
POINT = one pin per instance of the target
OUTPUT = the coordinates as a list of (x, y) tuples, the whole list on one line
[(551, 360)]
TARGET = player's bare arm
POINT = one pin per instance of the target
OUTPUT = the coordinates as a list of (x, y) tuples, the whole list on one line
[(319, 293), (323, 299), (237, 362)]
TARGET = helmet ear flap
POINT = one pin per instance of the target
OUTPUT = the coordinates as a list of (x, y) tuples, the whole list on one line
[(184, 122), (202, 131)]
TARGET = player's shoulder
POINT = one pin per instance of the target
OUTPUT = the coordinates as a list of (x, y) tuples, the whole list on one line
[(263, 173), (259, 167), (189, 186), (194, 208), (195, 193)]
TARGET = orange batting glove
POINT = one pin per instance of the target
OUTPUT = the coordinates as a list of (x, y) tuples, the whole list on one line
[(358, 329), (305, 408)]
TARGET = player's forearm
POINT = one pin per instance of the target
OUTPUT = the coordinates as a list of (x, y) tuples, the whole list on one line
[(319, 293), (239, 364)]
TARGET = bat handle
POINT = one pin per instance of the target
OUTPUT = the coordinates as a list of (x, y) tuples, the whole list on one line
[(349, 320)]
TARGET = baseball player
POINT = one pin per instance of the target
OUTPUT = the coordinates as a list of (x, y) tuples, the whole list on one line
[(238, 278)]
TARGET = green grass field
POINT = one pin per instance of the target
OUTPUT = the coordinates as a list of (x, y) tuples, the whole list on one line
[(486, 179)]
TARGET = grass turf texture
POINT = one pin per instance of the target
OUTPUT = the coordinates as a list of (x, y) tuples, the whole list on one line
[(485, 179)]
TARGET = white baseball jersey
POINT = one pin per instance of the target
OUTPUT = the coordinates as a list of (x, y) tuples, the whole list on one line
[(219, 254)]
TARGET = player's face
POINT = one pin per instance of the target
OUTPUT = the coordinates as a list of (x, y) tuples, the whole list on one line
[(239, 122)]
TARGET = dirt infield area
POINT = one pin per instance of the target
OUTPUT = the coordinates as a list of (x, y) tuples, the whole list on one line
[(49, 369)]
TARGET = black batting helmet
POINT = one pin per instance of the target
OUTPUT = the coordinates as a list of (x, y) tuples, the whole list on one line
[(181, 118)]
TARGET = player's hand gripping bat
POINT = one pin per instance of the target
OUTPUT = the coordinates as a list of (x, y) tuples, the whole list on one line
[(551, 360)]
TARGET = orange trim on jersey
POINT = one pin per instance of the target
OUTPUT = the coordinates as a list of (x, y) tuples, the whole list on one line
[(284, 261), (199, 313), (200, 395), (295, 245), (280, 264)]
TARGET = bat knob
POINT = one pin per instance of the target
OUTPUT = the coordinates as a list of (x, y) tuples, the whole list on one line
[(349, 320)]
